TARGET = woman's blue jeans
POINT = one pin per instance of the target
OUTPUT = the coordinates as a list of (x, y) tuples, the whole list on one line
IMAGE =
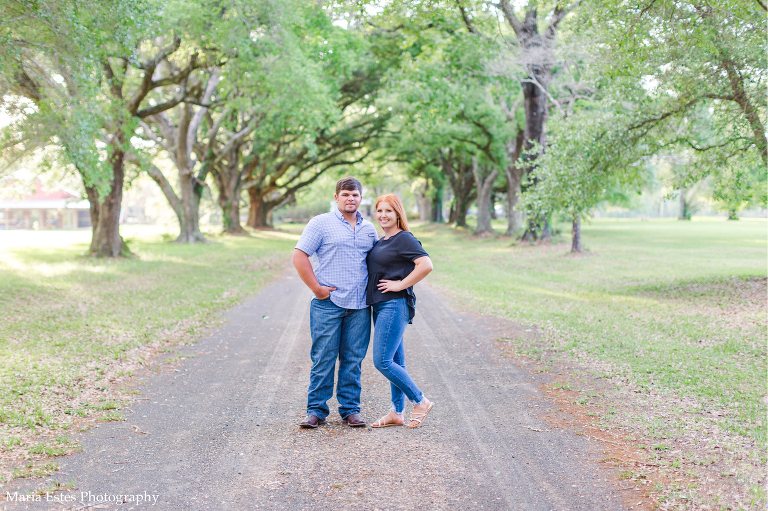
[(390, 319)]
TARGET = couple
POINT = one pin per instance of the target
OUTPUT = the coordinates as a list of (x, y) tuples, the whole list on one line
[(353, 272)]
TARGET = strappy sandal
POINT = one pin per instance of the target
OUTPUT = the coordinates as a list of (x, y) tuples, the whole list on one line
[(386, 421), (419, 418)]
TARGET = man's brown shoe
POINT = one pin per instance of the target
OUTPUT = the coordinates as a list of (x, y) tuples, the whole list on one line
[(353, 420), (312, 421)]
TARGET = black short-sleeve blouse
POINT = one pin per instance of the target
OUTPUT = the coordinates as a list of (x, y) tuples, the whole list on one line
[(392, 259)]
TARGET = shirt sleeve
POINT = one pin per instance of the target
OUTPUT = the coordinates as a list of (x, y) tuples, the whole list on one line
[(311, 238), (410, 248)]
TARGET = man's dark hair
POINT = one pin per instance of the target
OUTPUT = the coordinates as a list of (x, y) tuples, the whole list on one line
[(349, 183)]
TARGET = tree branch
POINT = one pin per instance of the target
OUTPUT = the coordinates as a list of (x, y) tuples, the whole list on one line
[(213, 82), (663, 116), (157, 175), (720, 96), (27, 85), (466, 19), (115, 87), (150, 65), (509, 14), (162, 107), (178, 77), (559, 14), (157, 140)]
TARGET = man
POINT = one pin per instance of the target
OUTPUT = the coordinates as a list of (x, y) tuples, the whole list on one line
[(339, 319)]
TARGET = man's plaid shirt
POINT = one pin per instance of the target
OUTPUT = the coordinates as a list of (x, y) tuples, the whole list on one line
[(338, 255)]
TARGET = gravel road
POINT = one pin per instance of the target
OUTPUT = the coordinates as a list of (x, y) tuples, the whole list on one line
[(220, 430)]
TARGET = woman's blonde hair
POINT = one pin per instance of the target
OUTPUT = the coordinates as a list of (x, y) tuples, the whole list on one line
[(394, 201)]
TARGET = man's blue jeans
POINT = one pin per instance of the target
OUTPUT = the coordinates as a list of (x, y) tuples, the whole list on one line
[(336, 333), (390, 319)]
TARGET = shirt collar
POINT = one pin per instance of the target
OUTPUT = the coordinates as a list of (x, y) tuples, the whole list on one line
[(340, 216)]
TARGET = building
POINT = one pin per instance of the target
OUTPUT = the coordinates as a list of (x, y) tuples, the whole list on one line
[(45, 209)]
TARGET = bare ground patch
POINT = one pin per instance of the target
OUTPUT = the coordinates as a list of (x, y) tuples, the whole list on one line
[(741, 302)]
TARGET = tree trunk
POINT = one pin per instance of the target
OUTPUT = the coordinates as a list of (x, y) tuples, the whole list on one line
[(107, 241), (425, 208), (530, 232), (230, 207), (733, 214), (546, 230), (484, 187), (514, 217), (462, 184), (576, 234), (170, 195), (742, 99), (538, 229), (189, 228), (93, 199), (437, 206), (532, 126), (492, 206), (685, 213), (514, 175), (258, 216), (538, 55), (460, 214)]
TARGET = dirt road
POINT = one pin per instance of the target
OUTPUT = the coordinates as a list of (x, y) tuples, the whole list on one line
[(220, 430)]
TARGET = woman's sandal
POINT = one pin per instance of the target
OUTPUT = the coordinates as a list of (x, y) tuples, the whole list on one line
[(419, 418), (386, 421)]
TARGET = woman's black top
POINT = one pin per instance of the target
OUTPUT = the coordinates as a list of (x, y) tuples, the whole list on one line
[(392, 259)]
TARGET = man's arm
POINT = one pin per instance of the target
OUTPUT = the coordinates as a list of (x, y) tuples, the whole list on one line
[(307, 274)]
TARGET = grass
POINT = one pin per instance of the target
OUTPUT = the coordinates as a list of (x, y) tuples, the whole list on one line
[(676, 305), (73, 327)]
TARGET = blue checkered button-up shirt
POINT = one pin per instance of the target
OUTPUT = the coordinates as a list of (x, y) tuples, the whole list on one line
[(338, 255)]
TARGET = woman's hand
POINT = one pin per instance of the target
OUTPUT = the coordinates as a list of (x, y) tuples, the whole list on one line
[(390, 285), (423, 265)]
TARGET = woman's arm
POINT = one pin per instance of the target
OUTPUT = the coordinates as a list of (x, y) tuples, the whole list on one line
[(422, 269)]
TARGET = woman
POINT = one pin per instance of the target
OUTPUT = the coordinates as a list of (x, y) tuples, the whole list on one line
[(395, 263)]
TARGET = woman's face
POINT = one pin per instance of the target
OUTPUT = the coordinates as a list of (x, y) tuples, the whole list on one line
[(386, 215)]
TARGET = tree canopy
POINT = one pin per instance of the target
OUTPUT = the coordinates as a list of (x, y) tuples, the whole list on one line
[(557, 106)]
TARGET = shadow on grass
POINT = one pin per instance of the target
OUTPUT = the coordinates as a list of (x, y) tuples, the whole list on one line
[(748, 288)]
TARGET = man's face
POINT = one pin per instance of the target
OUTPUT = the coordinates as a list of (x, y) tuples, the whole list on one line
[(348, 200)]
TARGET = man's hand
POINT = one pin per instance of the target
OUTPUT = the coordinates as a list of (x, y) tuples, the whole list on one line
[(324, 292), (390, 285)]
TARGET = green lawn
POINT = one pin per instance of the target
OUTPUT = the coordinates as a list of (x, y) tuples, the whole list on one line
[(680, 305), (70, 321)]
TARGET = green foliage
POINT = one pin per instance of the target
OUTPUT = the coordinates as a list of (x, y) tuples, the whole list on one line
[(681, 78), (675, 79), (451, 94), (49, 77)]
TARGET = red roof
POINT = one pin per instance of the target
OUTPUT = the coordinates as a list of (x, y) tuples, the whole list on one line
[(50, 194), (39, 194)]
